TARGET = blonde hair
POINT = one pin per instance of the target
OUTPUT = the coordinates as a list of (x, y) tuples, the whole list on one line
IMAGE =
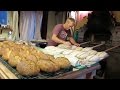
[(71, 19)]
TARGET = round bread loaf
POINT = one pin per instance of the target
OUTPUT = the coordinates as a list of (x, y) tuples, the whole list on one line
[(43, 56), (14, 59), (31, 58), (47, 66), (1, 50), (6, 54), (79, 48), (51, 57), (62, 62), (64, 46), (28, 68), (1, 44), (24, 53)]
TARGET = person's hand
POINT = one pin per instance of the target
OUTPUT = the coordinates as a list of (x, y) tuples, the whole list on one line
[(77, 44), (67, 43)]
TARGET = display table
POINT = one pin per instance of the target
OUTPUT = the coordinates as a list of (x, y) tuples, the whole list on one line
[(85, 73)]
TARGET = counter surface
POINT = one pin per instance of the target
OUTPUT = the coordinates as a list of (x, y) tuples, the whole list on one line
[(5, 73)]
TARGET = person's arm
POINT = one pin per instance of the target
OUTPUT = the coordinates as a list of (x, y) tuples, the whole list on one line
[(73, 41), (57, 40)]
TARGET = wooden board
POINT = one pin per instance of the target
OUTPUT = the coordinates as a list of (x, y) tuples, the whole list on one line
[(6, 73)]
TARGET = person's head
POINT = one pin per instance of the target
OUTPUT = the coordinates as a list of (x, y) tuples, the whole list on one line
[(70, 22)]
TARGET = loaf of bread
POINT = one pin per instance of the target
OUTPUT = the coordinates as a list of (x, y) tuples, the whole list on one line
[(75, 53), (102, 55), (92, 52), (94, 59), (32, 58), (28, 68), (23, 53), (50, 48), (83, 56), (88, 57), (43, 56), (47, 66), (14, 59), (51, 57), (79, 48), (67, 52), (3, 48), (62, 62), (6, 53), (59, 55), (1, 44), (1, 51), (73, 47), (73, 60), (80, 53), (64, 46)]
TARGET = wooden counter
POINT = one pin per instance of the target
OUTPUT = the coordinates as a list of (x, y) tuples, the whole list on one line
[(79, 74), (5, 73)]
